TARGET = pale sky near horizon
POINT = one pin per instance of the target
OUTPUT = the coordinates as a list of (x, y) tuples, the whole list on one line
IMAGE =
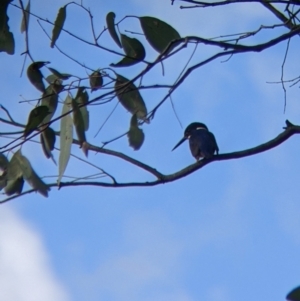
[(228, 232)]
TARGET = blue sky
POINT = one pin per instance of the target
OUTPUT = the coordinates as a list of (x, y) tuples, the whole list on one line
[(227, 232)]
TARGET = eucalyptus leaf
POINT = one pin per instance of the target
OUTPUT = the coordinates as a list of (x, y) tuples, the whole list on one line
[(134, 50), (130, 97), (14, 176), (35, 76), (25, 19), (82, 99), (14, 186), (50, 100), (62, 76), (58, 24), (66, 138), (7, 42), (36, 116), (3, 162), (110, 22), (31, 177), (78, 123), (135, 135), (48, 139), (158, 33)]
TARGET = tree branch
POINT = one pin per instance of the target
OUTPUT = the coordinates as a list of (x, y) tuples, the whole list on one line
[(289, 131)]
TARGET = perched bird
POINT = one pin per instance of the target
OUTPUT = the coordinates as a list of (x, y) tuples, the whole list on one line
[(203, 143)]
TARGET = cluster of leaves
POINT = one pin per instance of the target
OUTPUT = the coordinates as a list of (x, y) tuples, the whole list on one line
[(160, 35)]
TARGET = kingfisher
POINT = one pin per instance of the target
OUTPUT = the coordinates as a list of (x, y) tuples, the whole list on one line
[(203, 143)]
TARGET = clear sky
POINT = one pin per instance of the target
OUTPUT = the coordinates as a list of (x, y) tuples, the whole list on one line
[(228, 232)]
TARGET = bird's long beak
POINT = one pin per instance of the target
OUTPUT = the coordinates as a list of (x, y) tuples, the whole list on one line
[(180, 142)]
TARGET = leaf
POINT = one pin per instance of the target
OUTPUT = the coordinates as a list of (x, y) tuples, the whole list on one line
[(3, 162), (294, 295), (82, 99), (110, 22), (36, 116), (53, 79), (58, 24), (7, 42), (135, 135), (35, 75), (130, 97), (25, 19), (48, 139), (96, 80), (158, 33), (78, 123), (62, 76), (134, 50), (14, 186), (31, 177), (14, 176), (50, 100), (66, 138)]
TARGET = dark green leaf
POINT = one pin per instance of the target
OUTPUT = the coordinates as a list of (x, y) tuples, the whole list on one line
[(294, 295), (96, 80), (53, 79), (48, 139), (78, 122), (14, 186), (158, 33), (58, 24), (14, 176), (50, 100), (62, 76), (31, 177), (130, 97), (7, 42), (3, 162), (135, 135), (35, 75), (82, 99), (25, 19), (134, 50), (110, 22), (35, 118)]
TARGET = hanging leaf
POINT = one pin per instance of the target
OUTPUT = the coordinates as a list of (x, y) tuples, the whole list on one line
[(135, 135), (36, 116), (62, 76), (14, 186), (7, 42), (66, 138), (294, 295), (58, 24), (51, 79), (35, 75), (130, 97), (14, 176), (134, 50), (3, 181), (31, 177), (82, 99), (25, 19), (48, 139), (3, 162), (96, 80), (49, 100), (158, 33), (110, 22), (78, 123)]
